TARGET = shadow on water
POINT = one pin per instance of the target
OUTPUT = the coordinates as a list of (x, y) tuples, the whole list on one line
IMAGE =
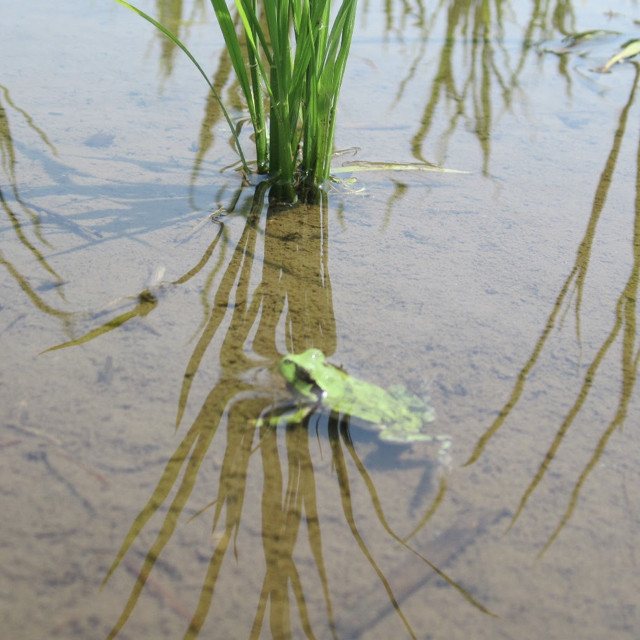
[(294, 292), (623, 331), (32, 223)]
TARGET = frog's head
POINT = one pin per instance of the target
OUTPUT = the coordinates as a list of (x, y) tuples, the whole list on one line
[(301, 371)]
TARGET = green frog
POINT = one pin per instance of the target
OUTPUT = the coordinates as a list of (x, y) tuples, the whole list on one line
[(398, 415)]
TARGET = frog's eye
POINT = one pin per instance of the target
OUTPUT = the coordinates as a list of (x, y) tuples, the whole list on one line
[(303, 375)]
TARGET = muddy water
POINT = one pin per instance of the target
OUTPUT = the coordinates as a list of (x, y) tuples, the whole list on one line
[(507, 293)]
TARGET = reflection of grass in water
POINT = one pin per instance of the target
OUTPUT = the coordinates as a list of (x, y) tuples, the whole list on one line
[(283, 508), (231, 294), (187, 459), (472, 65), (294, 290), (8, 158), (343, 479), (170, 14), (8, 164), (239, 267), (281, 519), (625, 320)]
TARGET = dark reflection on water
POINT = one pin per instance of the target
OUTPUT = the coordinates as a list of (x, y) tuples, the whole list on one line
[(475, 76), (20, 214), (294, 291), (624, 330)]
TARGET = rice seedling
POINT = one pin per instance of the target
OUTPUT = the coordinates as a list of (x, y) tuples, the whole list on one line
[(289, 58)]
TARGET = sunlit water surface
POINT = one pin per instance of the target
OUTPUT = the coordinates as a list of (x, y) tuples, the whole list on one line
[(507, 293)]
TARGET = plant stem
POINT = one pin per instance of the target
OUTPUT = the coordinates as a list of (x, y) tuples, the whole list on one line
[(285, 54)]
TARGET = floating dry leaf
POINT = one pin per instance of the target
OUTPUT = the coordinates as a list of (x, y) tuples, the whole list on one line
[(629, 49)]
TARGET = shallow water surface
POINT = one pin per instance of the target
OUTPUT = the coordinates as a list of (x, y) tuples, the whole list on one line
[(146, 299)]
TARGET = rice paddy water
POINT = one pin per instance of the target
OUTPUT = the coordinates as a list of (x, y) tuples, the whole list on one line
[(165, 470)]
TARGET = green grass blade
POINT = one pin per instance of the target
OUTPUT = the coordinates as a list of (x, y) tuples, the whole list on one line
[(288, 54), (234, 47)]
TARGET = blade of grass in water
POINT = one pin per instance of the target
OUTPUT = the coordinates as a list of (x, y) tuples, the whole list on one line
[(251, 84), (391, 166)]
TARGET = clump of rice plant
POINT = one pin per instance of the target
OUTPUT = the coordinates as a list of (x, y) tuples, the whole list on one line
[(289, 59)]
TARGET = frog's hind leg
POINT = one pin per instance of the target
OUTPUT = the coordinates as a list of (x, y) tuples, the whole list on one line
[(444, 453)]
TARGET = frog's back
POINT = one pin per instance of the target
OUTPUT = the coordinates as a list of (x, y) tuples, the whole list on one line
[(373, 404), (418, 405)]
